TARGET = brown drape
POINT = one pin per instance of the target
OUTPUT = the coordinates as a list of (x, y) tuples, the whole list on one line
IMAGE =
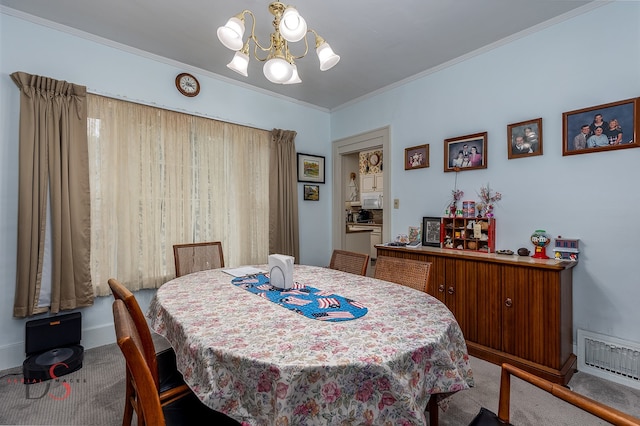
[(283, 195), (53, 158)]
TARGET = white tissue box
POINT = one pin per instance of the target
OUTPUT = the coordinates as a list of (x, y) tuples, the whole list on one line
[(281, 271)]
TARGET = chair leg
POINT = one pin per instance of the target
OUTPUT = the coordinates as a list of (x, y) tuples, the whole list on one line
[(432, 406), (128, 408), (505, 396)]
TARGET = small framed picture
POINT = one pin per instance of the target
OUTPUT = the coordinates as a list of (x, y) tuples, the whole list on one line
[(601, 128), (312, 192), (416, 157), (465, 152), (431, 231), (524, 139), (414, 233), (310, 168)]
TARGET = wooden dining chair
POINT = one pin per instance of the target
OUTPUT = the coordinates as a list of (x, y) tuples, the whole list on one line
[(407, 272), (149, 409), (349, 261), (488, 418), (196, 257), (167, 379)]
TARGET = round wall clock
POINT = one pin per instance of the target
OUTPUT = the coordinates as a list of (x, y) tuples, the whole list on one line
[(374, 159), (187, 84)]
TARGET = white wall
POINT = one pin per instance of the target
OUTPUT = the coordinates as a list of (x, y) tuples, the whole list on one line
[(112, 70), (588, 60)]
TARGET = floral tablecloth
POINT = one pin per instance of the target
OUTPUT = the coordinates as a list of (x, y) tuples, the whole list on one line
[(265, 365)]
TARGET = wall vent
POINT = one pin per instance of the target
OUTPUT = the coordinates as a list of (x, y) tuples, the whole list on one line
[(609, 358)]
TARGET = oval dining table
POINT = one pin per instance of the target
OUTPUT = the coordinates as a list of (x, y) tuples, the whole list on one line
[(263, 363)]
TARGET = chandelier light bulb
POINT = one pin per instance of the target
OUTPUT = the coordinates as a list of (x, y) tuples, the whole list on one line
[(295, 78), (231, 34), (278, 70), (328, 59), (239, 63), (292, 26)]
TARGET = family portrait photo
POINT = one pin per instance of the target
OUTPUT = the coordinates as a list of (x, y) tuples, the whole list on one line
[(524, 139), (601, 128), (416, 157), (465, 152)]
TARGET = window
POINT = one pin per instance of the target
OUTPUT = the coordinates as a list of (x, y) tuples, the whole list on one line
[(159, 178)]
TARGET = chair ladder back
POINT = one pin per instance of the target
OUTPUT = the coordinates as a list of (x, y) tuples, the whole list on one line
[(197, 257), (348, 261), (146, 398), (408, 272), (120, 292)]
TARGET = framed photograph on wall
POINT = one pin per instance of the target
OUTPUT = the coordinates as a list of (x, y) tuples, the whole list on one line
[(416, 157), (524, 139), (311, 192), (431, 231), (310, 168), (601, 128), (465, 152)]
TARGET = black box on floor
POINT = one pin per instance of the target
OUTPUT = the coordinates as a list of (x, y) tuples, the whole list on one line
[(53, 347)]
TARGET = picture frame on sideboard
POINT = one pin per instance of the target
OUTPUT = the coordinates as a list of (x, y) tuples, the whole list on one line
[(431, 231)]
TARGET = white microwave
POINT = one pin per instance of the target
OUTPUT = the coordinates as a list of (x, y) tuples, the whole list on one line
[(372, 202)]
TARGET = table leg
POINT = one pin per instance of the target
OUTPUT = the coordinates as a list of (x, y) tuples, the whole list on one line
[(432, 407)]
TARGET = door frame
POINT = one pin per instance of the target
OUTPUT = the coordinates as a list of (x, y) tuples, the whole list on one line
[(375, 139)]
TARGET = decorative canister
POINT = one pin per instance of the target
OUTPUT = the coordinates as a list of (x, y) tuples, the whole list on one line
[(469, 208)]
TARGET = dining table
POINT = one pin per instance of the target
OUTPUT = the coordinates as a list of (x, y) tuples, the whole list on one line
[(335, 349)]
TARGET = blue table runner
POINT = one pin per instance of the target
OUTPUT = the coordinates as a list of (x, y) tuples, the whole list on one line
[(308, 301)]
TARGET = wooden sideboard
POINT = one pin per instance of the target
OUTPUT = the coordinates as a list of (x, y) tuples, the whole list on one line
[(510, 308)]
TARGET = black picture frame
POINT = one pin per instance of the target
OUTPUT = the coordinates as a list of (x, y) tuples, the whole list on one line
[(431, 231), (627, 115), (465, 144), (311, 192), (310, 168)]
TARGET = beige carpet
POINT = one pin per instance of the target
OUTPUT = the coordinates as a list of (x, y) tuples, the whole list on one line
[(531, 406), (96, 396)]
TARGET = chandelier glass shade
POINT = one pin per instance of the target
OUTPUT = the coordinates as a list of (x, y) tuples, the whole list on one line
[(280, 66)]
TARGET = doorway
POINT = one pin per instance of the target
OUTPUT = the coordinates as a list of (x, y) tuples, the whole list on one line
[(342, 150)]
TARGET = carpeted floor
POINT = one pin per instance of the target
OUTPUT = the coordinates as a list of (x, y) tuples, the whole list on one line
[(94, 395), (531, 406)]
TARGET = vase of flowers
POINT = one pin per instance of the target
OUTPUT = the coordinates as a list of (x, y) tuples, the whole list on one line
[(488, 199)]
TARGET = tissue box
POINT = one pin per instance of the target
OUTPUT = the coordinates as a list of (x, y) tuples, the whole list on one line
[(281, 271)]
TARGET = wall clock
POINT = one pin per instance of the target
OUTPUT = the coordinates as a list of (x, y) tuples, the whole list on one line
[(187, 84)]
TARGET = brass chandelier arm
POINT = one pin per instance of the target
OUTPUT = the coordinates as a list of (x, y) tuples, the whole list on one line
[(291, 57), (318, 41)]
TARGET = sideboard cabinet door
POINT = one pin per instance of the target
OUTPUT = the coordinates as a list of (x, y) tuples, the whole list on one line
[(515, 310)]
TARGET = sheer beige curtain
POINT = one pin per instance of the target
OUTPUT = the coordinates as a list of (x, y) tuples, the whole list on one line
[(53, 166), (159, 178), (284, 195)]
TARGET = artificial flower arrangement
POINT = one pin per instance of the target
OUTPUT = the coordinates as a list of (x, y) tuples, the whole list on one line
[(488, 200), (456, 196)]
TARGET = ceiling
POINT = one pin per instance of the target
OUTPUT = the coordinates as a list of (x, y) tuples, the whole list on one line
[(380, 42)]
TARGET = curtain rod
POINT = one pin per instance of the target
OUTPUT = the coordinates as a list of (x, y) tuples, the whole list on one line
[(154, 105)]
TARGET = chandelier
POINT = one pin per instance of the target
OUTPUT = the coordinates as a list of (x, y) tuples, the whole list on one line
[(280, 66)]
